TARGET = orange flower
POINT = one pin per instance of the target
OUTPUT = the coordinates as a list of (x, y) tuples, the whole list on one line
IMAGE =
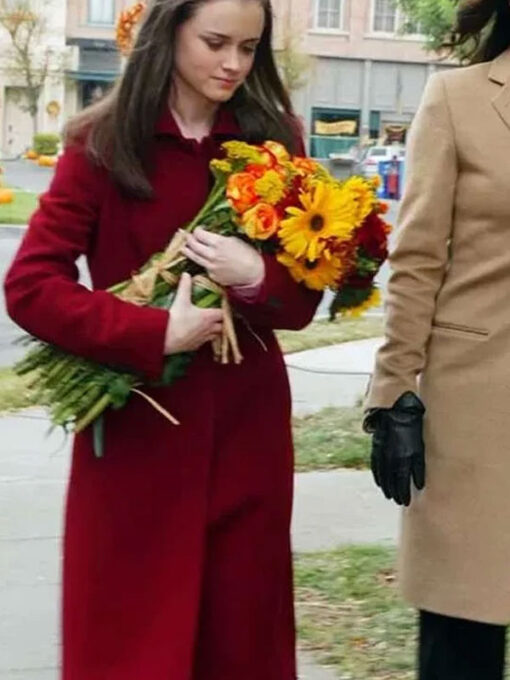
[(241, 191), (304, 166), (278, 150), (256, 170), (260, 222), (267, 156)]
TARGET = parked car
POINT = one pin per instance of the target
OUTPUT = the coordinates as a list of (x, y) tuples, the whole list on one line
[(369, 165)]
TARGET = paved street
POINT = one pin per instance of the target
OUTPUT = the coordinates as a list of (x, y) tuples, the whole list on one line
[(22, 174)]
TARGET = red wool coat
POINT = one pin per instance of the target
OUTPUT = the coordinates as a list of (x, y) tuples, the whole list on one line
[(176, 556)]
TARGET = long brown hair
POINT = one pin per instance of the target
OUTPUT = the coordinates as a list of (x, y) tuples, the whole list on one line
[(482, 31), (119, 130)]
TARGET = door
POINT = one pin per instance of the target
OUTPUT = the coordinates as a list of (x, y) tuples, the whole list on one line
[(18, 127)]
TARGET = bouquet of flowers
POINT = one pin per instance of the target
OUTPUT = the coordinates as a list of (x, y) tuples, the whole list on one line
[(328, 233)]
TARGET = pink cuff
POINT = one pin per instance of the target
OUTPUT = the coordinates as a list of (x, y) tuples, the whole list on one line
[(247, 293)]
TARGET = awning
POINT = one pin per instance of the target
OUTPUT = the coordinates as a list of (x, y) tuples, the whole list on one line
[(100, 76)]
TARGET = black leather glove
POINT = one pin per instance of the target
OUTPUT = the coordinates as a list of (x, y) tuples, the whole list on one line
[(398, 453)]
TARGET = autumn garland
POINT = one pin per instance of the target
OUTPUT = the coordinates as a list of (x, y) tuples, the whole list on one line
[(126, 24)]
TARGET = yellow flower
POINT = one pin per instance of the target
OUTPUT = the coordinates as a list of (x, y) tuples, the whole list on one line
[(374, 300), (270, 187), (242, 151), (318, 274), (221, 165), (278, 150), (328, 212), (363, 193)]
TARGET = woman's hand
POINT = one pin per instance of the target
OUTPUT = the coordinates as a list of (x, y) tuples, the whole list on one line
[(189, 326), (228, 260)]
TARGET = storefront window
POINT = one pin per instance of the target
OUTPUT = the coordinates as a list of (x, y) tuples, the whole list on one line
[(334, 131)]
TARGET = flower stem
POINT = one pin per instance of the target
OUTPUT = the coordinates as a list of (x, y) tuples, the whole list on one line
[(93, 413), (216, 193)]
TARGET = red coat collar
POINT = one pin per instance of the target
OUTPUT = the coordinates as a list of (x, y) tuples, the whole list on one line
[(225, 124)]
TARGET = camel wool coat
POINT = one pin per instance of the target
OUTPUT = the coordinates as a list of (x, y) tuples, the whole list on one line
[(448, 337)]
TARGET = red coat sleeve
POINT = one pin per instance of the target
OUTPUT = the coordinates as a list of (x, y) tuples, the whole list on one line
[(42, 292), (281, 302)]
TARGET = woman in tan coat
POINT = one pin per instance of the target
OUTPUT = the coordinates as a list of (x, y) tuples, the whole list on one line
[(448, 341)]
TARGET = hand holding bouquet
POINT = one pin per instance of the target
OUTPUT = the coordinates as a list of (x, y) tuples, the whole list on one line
[(328, 233)]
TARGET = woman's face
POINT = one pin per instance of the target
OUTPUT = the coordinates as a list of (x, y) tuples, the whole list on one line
[(215, 49)]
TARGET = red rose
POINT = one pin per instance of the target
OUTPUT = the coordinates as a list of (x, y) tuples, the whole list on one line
[(372, 237)]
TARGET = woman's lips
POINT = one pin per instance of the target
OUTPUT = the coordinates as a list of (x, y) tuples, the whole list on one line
[(226, 83)]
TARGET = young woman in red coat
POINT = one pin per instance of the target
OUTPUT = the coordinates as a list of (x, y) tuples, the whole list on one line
[(177, 560)]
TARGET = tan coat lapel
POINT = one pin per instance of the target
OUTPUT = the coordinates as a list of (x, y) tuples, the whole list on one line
[(500, 73)]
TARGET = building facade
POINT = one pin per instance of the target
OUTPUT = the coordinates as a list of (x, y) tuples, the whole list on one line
[(17, 126), (366, 75), (90, 32), (364, 81)]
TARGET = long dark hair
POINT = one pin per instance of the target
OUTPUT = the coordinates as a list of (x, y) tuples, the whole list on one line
[(482, 31), (118, 131)]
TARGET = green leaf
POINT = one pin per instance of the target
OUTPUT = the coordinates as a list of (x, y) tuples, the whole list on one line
[(348, 298), (175, 368), (119, 390)]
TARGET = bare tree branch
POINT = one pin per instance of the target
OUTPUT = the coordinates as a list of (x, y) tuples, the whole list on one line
[(28, 62)]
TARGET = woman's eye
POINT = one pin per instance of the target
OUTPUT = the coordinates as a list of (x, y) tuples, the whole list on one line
[(215, 45), (250, 50)]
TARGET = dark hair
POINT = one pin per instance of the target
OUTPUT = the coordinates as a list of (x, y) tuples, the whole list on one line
[(118, 131), (482, 30)]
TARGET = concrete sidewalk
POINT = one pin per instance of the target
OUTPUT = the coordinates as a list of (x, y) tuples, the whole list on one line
[(331, 508), (331, 376)]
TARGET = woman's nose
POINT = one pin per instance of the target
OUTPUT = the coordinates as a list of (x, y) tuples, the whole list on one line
[(232, 60)]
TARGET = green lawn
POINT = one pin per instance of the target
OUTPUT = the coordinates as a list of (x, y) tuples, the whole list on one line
[(20, 210), (323, 333), (351, 616), (331, 439)]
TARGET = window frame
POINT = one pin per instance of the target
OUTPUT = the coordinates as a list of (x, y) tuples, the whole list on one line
[(396, 34), (321, 29), (106, 24)]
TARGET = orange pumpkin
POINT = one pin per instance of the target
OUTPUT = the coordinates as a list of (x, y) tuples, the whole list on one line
[(6, 195), (31, 155), (47, 161)]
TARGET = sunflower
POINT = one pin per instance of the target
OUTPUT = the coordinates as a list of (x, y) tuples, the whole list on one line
[(318, 274), (328, 212)]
